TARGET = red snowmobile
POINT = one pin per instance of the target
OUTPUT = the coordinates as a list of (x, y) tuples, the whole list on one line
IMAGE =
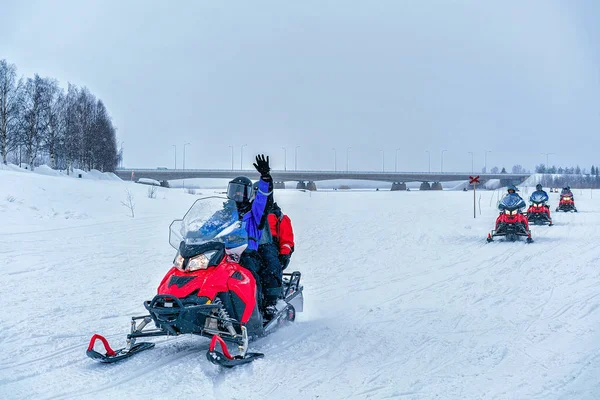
[(567, 202), (511, 223), (538, 212), (207, 292)]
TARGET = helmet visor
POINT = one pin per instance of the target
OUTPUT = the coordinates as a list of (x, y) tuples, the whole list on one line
[(238, 192)]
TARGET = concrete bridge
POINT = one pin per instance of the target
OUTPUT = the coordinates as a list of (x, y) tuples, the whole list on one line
[(308, 179)]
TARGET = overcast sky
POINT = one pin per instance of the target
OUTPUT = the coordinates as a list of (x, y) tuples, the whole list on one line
[(515, 77)]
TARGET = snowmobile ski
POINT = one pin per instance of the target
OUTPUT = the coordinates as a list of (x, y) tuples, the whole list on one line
[(111, 355), (225, 359)]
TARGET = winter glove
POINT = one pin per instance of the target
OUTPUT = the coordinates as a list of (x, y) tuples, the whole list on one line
[(262, 166), (284, 259)]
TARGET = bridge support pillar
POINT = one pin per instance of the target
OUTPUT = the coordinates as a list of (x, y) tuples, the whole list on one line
[(425, 186), (398, 186), (278, 185), (301, 185), (437, 186), (311, 186), (164, 184)]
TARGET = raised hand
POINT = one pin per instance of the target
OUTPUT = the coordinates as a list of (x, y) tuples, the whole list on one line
[(262, 165)]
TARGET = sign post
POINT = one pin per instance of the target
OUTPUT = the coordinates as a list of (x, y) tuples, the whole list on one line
[(474, 181)]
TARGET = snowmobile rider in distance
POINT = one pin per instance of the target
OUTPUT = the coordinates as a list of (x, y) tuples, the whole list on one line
[(539, 192), (566, 191), (253, 209)]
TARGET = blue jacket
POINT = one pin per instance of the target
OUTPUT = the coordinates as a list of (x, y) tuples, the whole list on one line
[(539, 196), (254, 220)]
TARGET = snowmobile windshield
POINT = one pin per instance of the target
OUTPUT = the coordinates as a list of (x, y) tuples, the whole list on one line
[(512, 201), (212, 219), (538, 197)]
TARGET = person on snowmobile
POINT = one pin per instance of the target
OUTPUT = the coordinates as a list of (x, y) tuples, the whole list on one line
[(270, 273), (538, 201), (512, 190), (283, 234), (253, 209), (566, 191), (539, 193)]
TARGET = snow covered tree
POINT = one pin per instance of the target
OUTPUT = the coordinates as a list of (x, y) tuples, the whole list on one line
[(577, 170), (518, 169), (33, 118), (593, 170), (494, 170), (10, 90), (53, 138), (540, 169), (503, 170)]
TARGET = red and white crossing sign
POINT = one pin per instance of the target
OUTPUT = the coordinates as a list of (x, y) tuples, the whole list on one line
[(474, 180)]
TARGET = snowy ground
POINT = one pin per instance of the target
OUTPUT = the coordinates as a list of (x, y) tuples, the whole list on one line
[(404, 299)]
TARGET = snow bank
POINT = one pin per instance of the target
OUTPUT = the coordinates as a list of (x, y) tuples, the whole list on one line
[(12, 167), (46, 170), (75, 173), (148, 181)]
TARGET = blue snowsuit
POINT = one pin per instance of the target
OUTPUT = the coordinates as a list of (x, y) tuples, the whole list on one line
[(255, 223), (255, 219)]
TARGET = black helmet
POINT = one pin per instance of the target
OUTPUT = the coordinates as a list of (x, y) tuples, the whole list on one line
[(240, 190), (538, 186)]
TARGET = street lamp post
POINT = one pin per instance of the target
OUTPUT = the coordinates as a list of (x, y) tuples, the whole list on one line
[(174, 145), (429, 159), (334, 159), (547, 154), (284, 158), (183, 184), (242, 157), (231, 157), (472, 167), (347, 158), (296, 158), (382, 160), (396, 161), (485, 165), (442, 162)]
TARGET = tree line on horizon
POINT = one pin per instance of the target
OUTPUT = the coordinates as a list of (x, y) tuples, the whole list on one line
[(41, 123)]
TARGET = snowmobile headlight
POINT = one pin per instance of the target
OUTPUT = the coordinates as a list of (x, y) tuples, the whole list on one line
[(507, 212), (200, 261), (178, 262), (566, 198)]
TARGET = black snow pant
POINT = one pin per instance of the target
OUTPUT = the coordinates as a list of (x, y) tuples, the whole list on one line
[(271, 272), (251, 260)]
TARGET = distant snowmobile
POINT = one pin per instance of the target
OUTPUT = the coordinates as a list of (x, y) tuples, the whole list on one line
[(207, 292), (567, 201), (538, 212), (511, 223)]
